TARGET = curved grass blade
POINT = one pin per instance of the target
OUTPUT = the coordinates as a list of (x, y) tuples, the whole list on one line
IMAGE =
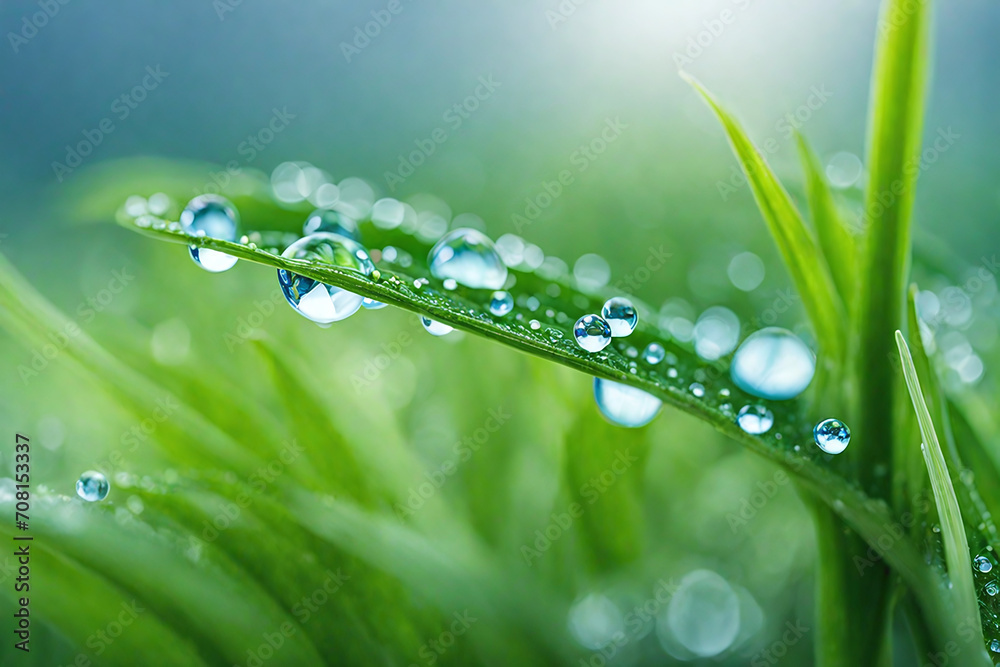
[(835, 240), (899, 83), (799, 249), (956, 544)]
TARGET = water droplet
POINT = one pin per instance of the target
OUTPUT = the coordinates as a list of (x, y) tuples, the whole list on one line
[(592, 272), (334, 222), (724, 392), (625, 405), (631, 352), (755, 419), (832, 436), (469, 257), (653, 354), (672, 373), (992, 589), (983, 564), (318, 301), (703, 615), (716, 333), (501, 303), (372, 304), (844, 169), (620, 315), (697, 389), (535, 325), (450, 284), (92, 486), (773, 363), (995, 645), (215, 217), (434, 327), (746, 271), (592, 333)]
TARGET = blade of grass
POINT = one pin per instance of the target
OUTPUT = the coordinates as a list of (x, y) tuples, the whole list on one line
[(956, 544), (835, 240), (799, 249), (899, 82)]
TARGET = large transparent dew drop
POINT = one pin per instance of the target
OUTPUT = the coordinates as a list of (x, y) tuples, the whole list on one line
[(832, 436), (434, 327), (317, 301), (501, 303), (215, 217), (624, 405), (333, 222), (469, 257), (755, 419), (92, 486), (592, 333), (773, 363), (595, 621), (620, 315), (703, 616), (983, 564)]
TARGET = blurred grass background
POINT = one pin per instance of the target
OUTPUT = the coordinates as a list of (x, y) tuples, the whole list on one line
[(656, 185)]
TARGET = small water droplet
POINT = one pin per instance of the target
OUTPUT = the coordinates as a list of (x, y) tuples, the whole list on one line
[(832, 436), (592, 333), (532, 303), (333, 222), (983, 564), (631, 352), (773, 363), (535, 325), (992, 589), (216, 217), (755, 419), (92, 486), (469, 257), (724, 393), (450, 284), (501, 303), (434, 327), (697, 389), (318, 301), (624, 405), (995, 645), (620, 315), (653, 354), (672, 373)]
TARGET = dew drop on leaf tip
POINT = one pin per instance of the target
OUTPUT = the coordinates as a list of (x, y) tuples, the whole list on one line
[(92, 486)]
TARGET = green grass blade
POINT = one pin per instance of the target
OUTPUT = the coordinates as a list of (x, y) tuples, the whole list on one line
[(956, 544), (835, 240), (801, 253), (899, 82)]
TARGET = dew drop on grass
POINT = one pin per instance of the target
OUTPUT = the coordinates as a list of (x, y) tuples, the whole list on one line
[(995, 645), (334, 222), (621, 315), (653, 354), (469, 257), (697, 389), (755, 419), (983, 564), (832, 436), (318, 301), (992, 589), (595, 621), (773, 363), (501, 303), (215, 217), (592, 333), (624, 405), (92, 486), (372, 304), (434, 327)]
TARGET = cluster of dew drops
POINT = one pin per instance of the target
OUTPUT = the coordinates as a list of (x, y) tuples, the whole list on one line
[(771, 364)]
